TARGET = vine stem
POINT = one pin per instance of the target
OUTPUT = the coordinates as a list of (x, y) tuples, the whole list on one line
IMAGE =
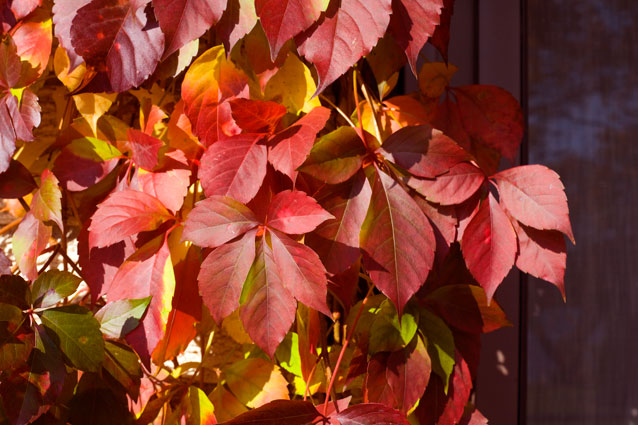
[(336, 108), (343, 350), (358, 108)]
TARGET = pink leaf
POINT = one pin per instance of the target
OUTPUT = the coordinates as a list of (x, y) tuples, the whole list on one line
[(46, 203), (535, 196), (370, 413), (170, 187), (269, 309), (145, 148), (125, 213), (29, 240), (223, 273), (296, 213), (451, 188), (216, 220), (301, 272)]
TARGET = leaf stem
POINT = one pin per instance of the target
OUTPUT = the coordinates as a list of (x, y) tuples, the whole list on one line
[(336, 108), (343, 350), (377, 128)]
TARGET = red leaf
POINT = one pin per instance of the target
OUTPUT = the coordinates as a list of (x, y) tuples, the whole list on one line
[(269, 309), (223, 273), (408, 373), (288, 412), (11, 66), (441, 37), (216, 220), (283, 20), (301, 272), (33, 39), (238, 20), (454, 187), (234, 167), (29, 240), (148, 272), (63, 13), (541, 253), (16, 122), (118, 36), (123, 214), (412, 24), (145, 148), (465, 307), (16, 181), (535, 196), (444, 224), (257, 116), (21, 8), (337, 241), (370, 413), (397, 241), (182, 21), (492, 116), (344, 36), (437, 408), (476, 418), (186, 312), (422, 151), (489, 246), (170, 187), (377, 388), (290, 148), (295, 213), (46, 203), (85, 162), (335, 157)]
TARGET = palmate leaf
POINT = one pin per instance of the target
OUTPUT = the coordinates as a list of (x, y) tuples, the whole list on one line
[(293, 86), (237, 21), (33, 39), (111, 35), (185, 20), (125, 213), (440, 345), (370, 413), (344, 36), (256, 116), (16, 181), (397, 241), (46, 203), (145, 148), (85, 162), (441, 37), (289, 412), (78, 335), (122, 364), (29, 240), (170, 186), (255, 382)]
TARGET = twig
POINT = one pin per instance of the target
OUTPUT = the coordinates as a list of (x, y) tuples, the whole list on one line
[(336, 108)]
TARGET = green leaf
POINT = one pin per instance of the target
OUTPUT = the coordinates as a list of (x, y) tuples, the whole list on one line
[(77, 333), (10, 313), (53, 286), (120, 317), (386, 333), (335, 157), (440, 344), (287, 354), (122, 363), (94, 149)]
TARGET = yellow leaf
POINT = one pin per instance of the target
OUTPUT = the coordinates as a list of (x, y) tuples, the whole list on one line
[(435, 77), (235, 329), (293, 86), (61, 65), (199, 410), (255, 382), (92, 106), (226, 404)]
